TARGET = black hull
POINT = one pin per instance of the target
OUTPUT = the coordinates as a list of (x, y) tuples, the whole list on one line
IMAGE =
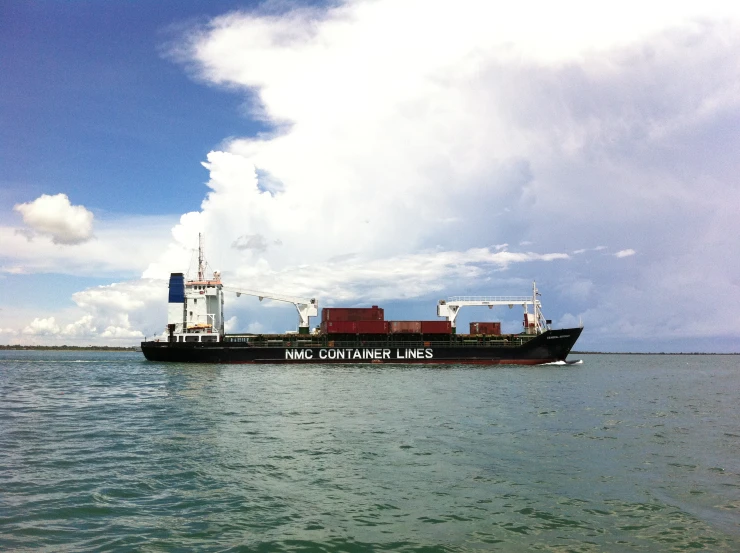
[(551, 346)]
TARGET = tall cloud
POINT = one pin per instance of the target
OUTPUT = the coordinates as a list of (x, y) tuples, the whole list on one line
[(411, 141), (467, 127)]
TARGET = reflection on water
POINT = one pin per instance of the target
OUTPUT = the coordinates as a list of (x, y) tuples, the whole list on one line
[(620, 453)]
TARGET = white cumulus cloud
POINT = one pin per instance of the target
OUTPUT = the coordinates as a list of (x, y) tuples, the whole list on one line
[(125, 310), (42, 327), (56, 217), (121, 333), (231, 324), (84, 327)]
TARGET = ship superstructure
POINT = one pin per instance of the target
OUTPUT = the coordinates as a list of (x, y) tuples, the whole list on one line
[(196, 307)]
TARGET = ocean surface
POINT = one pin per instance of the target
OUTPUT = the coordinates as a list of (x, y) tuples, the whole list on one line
[(108, 452)]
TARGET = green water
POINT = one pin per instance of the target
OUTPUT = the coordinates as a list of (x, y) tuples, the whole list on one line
[(107, 452)]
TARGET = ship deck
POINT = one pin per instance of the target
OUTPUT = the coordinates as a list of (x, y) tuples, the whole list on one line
[(379, 340)]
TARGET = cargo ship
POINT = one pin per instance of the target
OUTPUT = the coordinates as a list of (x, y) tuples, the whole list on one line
[(195, 332)]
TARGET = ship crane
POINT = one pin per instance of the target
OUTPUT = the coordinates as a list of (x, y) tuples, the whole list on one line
[(306, 307), (534, 323)]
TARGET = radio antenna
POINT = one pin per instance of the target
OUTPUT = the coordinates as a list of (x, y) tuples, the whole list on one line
[(201, 268)]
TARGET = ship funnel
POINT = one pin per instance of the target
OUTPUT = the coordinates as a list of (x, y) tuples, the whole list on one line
[(177, 288)]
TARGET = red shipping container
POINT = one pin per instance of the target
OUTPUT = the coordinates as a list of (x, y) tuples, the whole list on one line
[(491, 328), (373, 313), (372, 327), (405, 327), (339, 327), (436, 327)]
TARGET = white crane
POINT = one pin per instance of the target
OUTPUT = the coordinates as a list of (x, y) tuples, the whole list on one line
[(534, 322), (306, 307)]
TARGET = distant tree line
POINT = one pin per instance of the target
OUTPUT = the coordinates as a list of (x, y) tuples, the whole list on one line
[(72, 348), (651, 353)]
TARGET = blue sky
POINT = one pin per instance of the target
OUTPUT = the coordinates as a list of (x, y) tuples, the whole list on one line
[(382, 152), (92, 106)]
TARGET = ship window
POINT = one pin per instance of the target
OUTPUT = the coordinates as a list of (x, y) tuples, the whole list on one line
[(191, 314), (191, 338), (195, 300)]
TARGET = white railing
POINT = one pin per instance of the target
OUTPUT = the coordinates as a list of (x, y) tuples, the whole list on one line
[(507, 299)]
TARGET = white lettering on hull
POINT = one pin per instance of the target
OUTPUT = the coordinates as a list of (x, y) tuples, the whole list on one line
[(351, 354), (418, 353), (299, 354)]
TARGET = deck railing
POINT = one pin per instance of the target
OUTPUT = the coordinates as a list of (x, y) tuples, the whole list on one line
[(325, 342)]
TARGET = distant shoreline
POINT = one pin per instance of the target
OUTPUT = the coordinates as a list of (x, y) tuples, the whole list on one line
[(70, 348), (650, 353)]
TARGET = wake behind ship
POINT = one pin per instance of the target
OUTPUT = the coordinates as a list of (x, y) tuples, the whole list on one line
[(195, 332)]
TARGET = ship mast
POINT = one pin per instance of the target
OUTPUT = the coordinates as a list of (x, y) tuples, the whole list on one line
[(201, 268)]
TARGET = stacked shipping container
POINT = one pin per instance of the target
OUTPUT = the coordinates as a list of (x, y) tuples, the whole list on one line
[(370, 320), (354, 327), (486, 328), (405, 327), (373, 313), (436, 327), (338, 327), (372, 327), (353, 320)]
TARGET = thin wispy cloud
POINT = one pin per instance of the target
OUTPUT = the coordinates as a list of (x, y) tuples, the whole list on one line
[(625, 253)]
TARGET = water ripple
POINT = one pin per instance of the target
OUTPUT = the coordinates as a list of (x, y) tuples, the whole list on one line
[(105, 452)]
